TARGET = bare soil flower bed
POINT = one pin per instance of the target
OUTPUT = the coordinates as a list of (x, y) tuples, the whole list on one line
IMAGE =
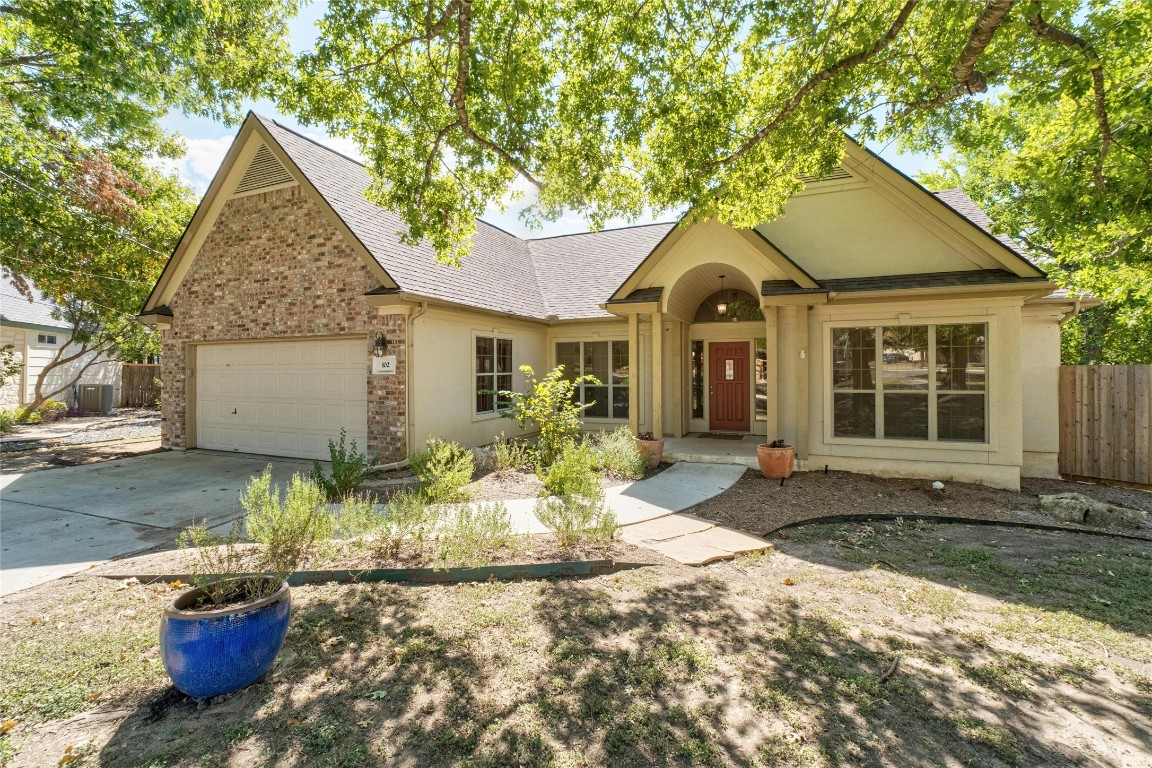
[(761, 506)]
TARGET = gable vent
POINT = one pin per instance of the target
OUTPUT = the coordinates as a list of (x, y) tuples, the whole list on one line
[(264, 171), (838, 174)]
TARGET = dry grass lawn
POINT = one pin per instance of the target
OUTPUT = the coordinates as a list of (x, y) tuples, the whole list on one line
[(875, 645)]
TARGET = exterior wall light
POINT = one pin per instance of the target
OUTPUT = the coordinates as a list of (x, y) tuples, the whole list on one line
[(380, 345), (721, 306)]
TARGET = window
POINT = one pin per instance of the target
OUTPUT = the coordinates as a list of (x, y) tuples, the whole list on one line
[(46, 338), (493, 373), (697, 379), (911, 382), (608, 362)]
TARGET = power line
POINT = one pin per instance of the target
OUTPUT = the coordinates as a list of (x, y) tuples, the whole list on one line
[(119, 233), (79, 272)]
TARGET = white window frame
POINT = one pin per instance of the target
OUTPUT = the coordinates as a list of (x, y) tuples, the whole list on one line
[(48, 339), (830, 436), (609, 384), (497, 411)]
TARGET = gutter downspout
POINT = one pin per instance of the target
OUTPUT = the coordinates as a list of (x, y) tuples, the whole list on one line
[(1075, 311), (409, 365)]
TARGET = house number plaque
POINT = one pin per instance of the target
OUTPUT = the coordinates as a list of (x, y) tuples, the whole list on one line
[(729, 370), (386, 364)]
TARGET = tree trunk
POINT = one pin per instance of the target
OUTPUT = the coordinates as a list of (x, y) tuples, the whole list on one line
[(39, 396)]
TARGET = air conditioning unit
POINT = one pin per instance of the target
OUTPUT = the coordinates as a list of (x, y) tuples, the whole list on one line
[(95, 398)]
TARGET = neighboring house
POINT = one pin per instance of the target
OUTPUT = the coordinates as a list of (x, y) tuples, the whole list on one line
[(876, 327), (36, 337)]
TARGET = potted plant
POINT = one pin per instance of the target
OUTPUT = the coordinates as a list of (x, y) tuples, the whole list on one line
[(652, 447), (776, 459), (225, 633)]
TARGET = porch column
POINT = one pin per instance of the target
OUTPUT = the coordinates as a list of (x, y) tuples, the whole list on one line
[(657, 375), (634, 373), (772, 374), (788, 373)]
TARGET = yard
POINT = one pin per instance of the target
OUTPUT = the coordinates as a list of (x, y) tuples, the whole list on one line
[(892, 643)]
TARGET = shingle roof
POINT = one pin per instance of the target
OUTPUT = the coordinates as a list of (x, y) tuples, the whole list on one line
[(901, 282), (15, 307), (957, 200), (578, 273), (640, 296), (566, 277)]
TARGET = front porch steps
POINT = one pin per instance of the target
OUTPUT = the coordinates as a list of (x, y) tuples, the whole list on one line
[(703, 450)]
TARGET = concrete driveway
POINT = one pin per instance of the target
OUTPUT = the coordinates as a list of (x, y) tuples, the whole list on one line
[(61, 521)]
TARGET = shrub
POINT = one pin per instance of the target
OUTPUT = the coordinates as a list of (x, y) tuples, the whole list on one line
[(444, 469), (288, 533), (575, 518), (407, 517), (471, 533), (550, 406), (290, 530), (48, 411), (618, 453), (7, 419), (348, 469), (572, 473), (511, 453)]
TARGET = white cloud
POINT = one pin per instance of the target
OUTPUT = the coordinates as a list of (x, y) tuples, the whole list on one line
[(201, 161)]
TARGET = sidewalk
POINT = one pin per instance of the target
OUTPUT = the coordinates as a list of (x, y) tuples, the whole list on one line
[(649, 514)]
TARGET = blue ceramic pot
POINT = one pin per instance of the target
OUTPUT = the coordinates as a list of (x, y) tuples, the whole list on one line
[(210, 653)]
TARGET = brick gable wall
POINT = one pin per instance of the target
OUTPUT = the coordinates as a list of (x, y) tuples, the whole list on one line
[(275, 267)]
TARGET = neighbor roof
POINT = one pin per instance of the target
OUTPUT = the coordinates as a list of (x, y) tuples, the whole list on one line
[(15, 307), (555, 278)]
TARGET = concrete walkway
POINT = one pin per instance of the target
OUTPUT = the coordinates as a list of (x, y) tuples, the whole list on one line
[(649, 514)]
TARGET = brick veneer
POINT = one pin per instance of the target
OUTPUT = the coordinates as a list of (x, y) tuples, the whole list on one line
[(275, 267)]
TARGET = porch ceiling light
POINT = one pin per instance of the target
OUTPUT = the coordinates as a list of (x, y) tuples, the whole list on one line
[(721, 306), (379, 346)]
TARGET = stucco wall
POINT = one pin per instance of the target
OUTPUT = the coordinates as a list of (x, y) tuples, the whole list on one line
[(995, 463), (273, 266), (1040, 378), (444, 383)]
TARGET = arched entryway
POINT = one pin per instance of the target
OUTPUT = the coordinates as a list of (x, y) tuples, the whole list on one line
[(715, 322)]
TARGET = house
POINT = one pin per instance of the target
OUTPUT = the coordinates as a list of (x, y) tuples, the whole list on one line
[(874, 325), (36, 338)]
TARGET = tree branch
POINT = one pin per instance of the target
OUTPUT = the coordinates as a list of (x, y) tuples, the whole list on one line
[(31, 60), (969, 80), (459, 99), (1063, 37), (1119, 245), (848, 62), (433, 30)]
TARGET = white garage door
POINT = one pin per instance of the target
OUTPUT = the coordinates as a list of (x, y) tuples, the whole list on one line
[(281, 398)]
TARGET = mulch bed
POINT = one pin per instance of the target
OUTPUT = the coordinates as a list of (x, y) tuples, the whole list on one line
[(761, 506)]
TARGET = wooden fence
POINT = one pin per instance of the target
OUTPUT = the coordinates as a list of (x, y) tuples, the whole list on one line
[(140, 385), (1106, 422)]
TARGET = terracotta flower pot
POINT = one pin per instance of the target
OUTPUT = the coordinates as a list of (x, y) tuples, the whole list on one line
[(775, 463), (653, 449)]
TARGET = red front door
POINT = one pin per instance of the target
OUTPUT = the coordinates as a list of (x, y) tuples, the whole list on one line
[(729, 396)]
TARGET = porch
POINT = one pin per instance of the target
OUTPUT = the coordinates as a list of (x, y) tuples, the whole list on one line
[(694, 447)]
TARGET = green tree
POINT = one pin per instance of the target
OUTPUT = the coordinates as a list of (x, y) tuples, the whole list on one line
[(615, 108), (82, 85), (87, 217)]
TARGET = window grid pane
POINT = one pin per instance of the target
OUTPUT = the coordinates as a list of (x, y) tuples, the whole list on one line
[(493, 372), (608, 362), (931, 383)]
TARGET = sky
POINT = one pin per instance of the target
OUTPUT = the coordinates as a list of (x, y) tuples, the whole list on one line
[(208, 142)]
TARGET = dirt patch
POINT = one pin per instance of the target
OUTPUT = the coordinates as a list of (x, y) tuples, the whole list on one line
[(762, 506), (994, 647), (70, 456)]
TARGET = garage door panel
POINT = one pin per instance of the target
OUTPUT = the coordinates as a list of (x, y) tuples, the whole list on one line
[(281, 398)]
